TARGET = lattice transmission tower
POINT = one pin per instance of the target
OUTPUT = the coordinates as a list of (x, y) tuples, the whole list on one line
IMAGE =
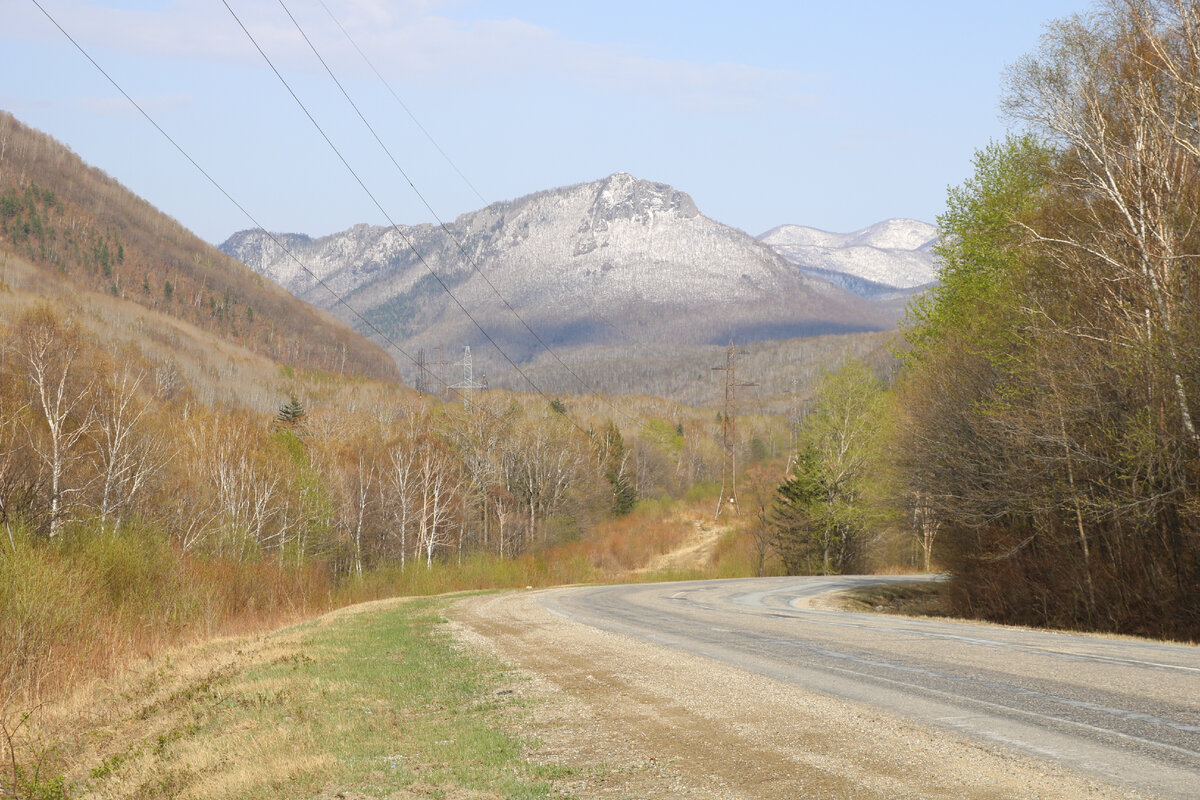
[(468, 383), (430, 371)]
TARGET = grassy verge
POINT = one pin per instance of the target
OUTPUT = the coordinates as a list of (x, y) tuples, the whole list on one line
[(80, 607), (373, 701), (96, 610)]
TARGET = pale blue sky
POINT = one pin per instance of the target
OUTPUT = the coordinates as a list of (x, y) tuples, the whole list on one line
[(831, 114)]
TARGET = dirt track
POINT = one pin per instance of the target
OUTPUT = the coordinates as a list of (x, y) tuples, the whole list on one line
[(638, 720)]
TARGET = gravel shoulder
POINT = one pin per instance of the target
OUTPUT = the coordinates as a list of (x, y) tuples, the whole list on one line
[(628, 718)]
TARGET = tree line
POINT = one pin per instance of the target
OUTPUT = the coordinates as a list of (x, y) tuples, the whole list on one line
[(102, 439), (133, 511), (1042, 429)]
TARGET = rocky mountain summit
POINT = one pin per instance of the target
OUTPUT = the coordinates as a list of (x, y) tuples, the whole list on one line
[(887, 259), (614, 261)]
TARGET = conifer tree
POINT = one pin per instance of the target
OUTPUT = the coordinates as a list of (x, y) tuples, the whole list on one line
[(292, 412)]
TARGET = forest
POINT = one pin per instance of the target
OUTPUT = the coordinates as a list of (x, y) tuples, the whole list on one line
[(134, 512), (1038, 441), (1033, 434), (1047, 401)]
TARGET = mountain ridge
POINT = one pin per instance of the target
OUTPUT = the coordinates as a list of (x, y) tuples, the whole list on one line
[(639, 254), (894, 255)]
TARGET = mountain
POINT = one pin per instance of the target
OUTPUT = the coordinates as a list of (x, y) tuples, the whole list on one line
[(879, 262), (784, 373), (71, 233), (613, 261)]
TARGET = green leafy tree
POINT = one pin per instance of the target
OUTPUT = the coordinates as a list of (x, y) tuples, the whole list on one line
[(826, 509), (1049, 396), (797, 538), (980, 250), (966, 353)]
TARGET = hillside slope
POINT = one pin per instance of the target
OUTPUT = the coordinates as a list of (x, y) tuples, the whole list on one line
[(784, 372), (80, 230), (598, 263)]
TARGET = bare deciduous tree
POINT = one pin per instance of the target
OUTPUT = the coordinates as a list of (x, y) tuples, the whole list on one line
[(50, 351), (128, 452)]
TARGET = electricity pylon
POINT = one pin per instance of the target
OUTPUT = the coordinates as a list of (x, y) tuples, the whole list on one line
[(468, 383), (429, 372)]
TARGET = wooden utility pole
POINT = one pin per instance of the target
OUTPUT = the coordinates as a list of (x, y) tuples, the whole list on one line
[(729, 433)]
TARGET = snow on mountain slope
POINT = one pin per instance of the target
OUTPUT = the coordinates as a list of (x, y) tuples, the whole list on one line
[(578, 263), (896, 234), (895, 253)]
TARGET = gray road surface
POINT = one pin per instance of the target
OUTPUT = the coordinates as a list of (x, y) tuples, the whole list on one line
[(1126, 711)]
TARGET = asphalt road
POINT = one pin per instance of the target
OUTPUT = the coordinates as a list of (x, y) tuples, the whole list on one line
[(1123, 710)]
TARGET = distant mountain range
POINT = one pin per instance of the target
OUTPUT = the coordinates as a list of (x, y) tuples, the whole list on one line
[(889, 259), (614, 261)]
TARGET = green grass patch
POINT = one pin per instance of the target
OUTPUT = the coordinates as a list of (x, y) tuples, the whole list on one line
[(365, 703)]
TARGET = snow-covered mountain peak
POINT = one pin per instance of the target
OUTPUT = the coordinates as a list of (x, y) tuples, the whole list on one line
[(622, 196), (896, 234), (638, 250), (802, 236), (893, 254)]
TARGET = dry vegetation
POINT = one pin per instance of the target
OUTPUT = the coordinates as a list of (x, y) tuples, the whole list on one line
[(104, 452), (137, 512), (84, 230), (784, 372), (291, 714), (905, 599), (173, 470)]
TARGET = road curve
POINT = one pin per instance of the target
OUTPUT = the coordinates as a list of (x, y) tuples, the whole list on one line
[(1125, 711)]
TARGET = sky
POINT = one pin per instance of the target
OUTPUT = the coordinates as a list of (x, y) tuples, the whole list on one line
[(834, 115)]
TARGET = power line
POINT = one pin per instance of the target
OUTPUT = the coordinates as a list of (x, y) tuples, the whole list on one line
[(250, 216), (445, 228), (408, 241), (594, 310), (407, 110), (218, 186), (275, 239)]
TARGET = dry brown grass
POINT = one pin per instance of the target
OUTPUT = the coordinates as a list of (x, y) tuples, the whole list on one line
[(124, 723), (366, 701), (76, 612)]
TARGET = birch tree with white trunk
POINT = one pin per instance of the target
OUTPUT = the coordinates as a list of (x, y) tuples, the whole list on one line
[(50, 352)]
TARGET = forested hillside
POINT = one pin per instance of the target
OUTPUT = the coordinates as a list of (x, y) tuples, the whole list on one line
[(784, 372), (1051, 382), (179, 461), (1040, 440), (82, 229)]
